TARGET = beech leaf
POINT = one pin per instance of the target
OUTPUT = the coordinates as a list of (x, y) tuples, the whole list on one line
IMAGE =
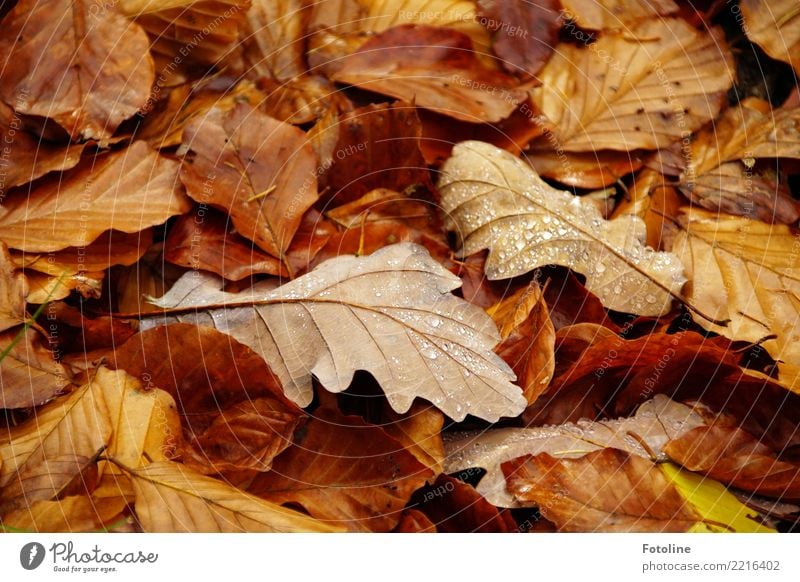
[(496, 201), (390, 314)]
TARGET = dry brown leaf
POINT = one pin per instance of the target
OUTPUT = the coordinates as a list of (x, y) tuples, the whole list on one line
[(258, 169), (614, 14), (528, 336), (496, 201), (745, 271), (390, 313), (656, 201), (29, 375), (583, 169), (718, 169), (656, 422), (420, 433), (414, 521), (87, 69), (733, 456), (13, 290), (26, 157), (434, 68), (71, 514), (129, 191), (774, 25), (344, 472), (644, 88), (273, 39), (44, 288), (524, 32), (172, 498), (607, 490)]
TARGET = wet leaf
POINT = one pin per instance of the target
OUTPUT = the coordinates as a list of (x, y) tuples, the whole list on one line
[(496, 201), (391, 314)]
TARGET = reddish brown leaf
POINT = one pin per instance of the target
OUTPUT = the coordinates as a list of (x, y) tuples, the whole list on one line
[(436, 69), (414, 521), (13, 290), (524, 32), (258, 169), (344, 472), (735, 457), (377, 147), (29, 375), (87, 69), (607, 490)]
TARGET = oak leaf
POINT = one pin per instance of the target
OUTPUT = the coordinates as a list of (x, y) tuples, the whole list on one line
[(496, 201), (391, 314), (128, 191), (87, 69), (641, 88)]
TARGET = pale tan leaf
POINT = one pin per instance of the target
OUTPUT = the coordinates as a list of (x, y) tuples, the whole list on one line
[(129, 191), (89, 69), (774, 25), (614, 14), (13, 290), (29, 375), (496, 201), (643, 88), (745, 271), (44, 288), (172, 498), (72, 514), (656, 422), (273, 38), (390, 313)]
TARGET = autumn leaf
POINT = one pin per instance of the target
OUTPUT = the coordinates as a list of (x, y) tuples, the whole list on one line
[(89, 69), (614, 14), (13, 290), (29, 375), (606, 490), (91, 197), (775, 27), (344, 472), (528, 338), (273, 39), (238, 166), (640, 88), (390, 313), (656, 422), (653, 198), (28, 157), (718, 169), (434, 68), (496, 201), (732, 456), (525, 32), (172, 498), (744, 271), (73, 514)]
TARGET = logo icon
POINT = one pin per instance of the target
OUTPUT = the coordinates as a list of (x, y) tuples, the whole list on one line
[(31, 555)]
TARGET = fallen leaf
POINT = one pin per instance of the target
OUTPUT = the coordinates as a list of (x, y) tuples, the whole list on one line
[(26, 157), (655, 200), (607, 490), (775, 27), (72, 514), (414, 521), (273, 37), (128, 191), (13, 290), (395, 314), (644, 87), (583, 169), (524, 32), (344, 472), (718, 168), (528, 336), (609, 15), (89, 69), (656, 422), (29, 375), (420, 433), (434, 68), (377, 146), (496, 201), (172, 498), (455, 507), (734, 457), (259, 170), (744, 271), (233, 410)]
